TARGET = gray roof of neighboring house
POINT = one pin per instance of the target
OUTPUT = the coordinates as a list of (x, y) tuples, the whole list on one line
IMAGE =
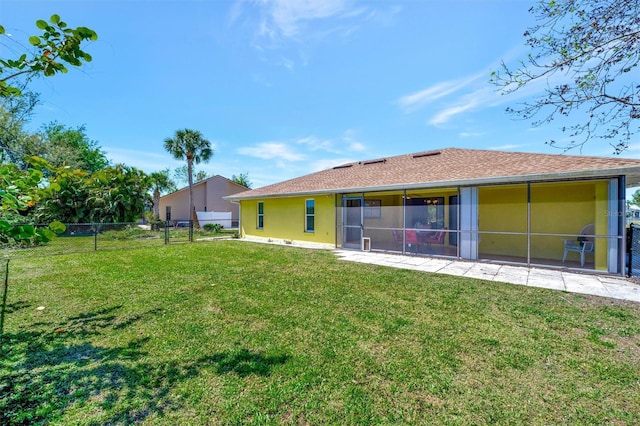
[(448, 167), (204, 181)]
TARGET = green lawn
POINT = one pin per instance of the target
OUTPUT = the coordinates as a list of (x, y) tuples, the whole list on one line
[(230, 332)]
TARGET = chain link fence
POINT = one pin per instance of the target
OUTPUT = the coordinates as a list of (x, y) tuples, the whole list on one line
[(87, 237), (633, 250), (4, 278)]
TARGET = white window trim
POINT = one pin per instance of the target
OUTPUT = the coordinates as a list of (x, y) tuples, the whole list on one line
[(307, 215), (259, 215)]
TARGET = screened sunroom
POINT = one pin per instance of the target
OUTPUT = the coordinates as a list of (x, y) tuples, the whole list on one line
[(575, 224)]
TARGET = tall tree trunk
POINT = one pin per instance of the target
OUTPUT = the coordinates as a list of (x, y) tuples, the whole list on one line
[(156, 204), (190, 178)]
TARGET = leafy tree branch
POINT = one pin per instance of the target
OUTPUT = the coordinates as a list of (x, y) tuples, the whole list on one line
[(55, 48), (587, 54)]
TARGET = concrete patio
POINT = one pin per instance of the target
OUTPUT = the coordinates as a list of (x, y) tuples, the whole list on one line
[(594, 284)]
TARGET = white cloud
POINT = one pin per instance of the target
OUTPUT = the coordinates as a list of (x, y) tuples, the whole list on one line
[(385, 17), (287, 18), (349, 138), (344, 143), (301, 20), (415, 100), (505, 147), (472, 92), (418, 99), (271, 150), (316, 144), (483, 97), (357, 147), (295, 157), (235, 11), (279, 25), (470, 134), (445, 115)]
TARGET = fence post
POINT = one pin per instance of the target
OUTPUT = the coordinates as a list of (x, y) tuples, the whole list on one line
[(166, 232), (95, 239), (630, 250), (4, 297)]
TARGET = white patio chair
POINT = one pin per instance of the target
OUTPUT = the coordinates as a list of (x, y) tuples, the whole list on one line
[(584, 243)]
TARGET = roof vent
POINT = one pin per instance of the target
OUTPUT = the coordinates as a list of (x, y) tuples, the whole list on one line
[(344, 166), (426, 154), (381, 160)]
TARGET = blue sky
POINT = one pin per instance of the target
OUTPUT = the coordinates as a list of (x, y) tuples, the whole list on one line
[(284, 88)]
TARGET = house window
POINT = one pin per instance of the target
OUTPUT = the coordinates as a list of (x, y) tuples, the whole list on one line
[(309, 216), (167, 213), (260, 215), (373, 209)]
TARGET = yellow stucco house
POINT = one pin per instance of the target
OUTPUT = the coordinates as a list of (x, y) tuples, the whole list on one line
[(208, 196), (509, 207)]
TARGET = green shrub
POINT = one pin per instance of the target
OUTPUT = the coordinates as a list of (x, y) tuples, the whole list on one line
[(213, 227), (129, 233)]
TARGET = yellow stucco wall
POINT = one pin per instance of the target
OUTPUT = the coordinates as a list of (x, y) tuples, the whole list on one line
[(502, 209), (556, 208), (284, 218)]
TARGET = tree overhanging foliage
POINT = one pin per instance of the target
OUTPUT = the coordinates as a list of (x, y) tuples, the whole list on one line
[(242, 179), (19, 193), (20, 189), (59, 174), (55, 48), (587, 53), (180, 175)]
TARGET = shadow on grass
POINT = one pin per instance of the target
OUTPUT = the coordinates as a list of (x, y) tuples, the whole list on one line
[(10, 308), (244, 363), (44, 374)]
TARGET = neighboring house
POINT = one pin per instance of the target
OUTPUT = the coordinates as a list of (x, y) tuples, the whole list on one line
[(207, 197), (507, 207)]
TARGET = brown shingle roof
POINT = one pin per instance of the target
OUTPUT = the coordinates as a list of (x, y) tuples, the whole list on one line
[(449, 167)]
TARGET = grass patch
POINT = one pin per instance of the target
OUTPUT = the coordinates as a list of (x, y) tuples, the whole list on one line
[(230, 332)]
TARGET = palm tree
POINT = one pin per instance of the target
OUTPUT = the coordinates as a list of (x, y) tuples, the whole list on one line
[(189, 144), (160, 182)]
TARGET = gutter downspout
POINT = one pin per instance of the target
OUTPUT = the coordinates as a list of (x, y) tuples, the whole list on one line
[(622, 226), (239, 217), (338, 222)]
